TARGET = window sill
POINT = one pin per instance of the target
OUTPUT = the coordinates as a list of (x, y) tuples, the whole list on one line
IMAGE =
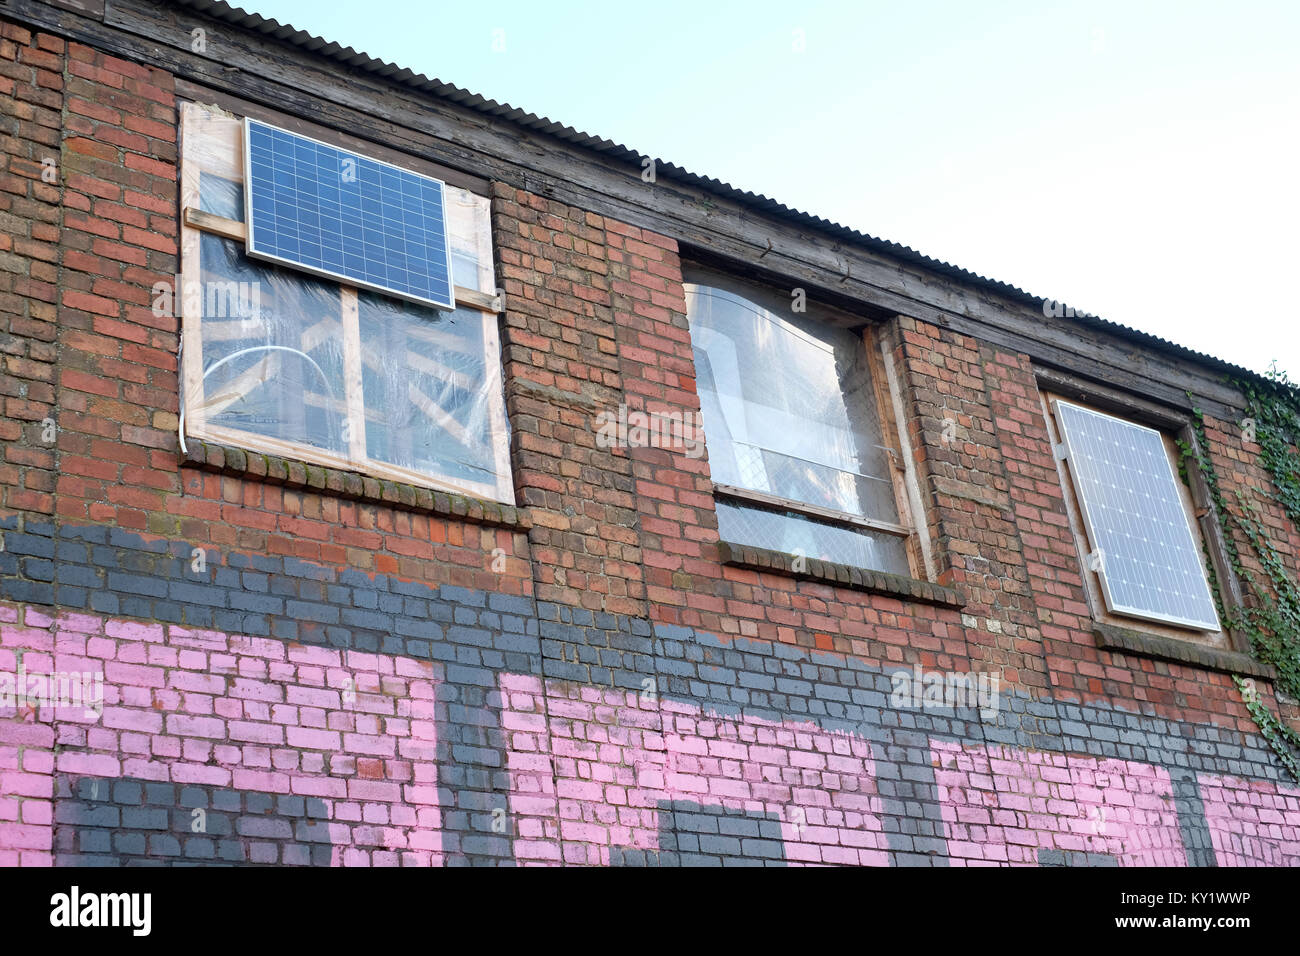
[(1113, 638), (843, 575), (352, 485)]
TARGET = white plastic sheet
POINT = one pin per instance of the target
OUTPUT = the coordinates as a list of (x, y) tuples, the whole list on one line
[(788, 406)]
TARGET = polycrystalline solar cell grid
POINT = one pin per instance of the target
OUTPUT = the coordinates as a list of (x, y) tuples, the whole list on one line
[(1149, 562), (346, 216)]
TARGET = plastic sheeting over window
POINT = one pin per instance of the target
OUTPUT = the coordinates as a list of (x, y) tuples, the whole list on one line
[(426, 376), (789, 410), (793, 533), (272, 352), (283, 362), (788, 406)]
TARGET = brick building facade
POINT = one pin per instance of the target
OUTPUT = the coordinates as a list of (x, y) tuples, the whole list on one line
[(305, 664)]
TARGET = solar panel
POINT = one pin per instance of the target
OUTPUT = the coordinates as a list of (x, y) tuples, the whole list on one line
[(1147, 559), (348, 217)]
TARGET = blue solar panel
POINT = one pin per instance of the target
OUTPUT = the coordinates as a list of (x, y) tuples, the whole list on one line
[(1146, 556), (348, 217)]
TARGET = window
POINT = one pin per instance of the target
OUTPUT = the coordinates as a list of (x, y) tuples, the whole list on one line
[(278, 360), (803, 461), (1141, 549)]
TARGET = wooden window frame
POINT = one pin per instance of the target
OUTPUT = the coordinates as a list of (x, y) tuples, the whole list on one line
[(1198, 505), (226, 161)]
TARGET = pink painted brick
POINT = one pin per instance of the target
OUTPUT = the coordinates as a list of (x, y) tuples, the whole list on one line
[(145, 769), (37, 761), (186, 637), (135, 632), (315, 655), (318, 786), (1251, 823), (26, 734), (134, 674), (262, 780), (187, 726), (22, 836), (198, 773), (313, 697), (641, 768), (1105, 826), (133, 718), (94, 765), (255, 733)]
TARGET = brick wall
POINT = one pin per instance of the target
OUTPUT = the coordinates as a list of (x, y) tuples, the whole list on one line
[(355, 679), (31, 84), (560, 363)]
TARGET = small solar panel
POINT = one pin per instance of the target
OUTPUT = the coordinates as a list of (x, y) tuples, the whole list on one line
[(348, 217), (1148, 560)]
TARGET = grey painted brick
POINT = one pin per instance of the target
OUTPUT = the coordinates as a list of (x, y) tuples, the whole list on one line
[(26, 592), (37, 569), (137, 584), (29, 544), (256, 602), (313, 611), (267, 827), (83, 815)]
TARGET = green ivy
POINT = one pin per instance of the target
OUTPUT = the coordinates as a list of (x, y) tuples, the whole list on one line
[(1271, 619), (1284, 741)]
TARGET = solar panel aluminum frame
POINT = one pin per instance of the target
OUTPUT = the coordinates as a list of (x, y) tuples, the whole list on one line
[(253, 252), (1111, 603)]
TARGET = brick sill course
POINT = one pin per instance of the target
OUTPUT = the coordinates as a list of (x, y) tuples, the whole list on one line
[(291, 473), (843, 575), (1113, 638)]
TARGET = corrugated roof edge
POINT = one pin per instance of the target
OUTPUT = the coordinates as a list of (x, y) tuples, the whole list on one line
[(218, 9)]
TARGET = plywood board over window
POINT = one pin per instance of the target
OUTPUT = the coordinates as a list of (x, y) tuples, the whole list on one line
[(282, 362)]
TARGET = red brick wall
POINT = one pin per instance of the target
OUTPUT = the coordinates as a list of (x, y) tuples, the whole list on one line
[(117, 360), (595, 318), (117, 412), (561, 369), (31, 97)]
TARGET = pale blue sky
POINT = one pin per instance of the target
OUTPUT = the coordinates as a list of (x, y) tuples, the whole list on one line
[(1137, 160)]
